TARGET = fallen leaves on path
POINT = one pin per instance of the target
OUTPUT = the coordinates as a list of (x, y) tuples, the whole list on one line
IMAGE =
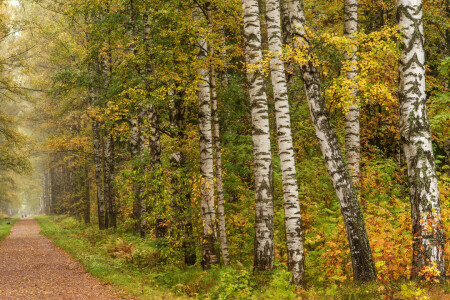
[(32, 267)]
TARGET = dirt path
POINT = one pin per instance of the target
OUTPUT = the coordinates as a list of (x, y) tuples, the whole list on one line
[(32, 267)]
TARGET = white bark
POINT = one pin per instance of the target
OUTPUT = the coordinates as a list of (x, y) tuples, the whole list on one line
[(363, 266), (428, 235), (294, 239), (218, 166), (264, 247), (352, 126), (206, 152)]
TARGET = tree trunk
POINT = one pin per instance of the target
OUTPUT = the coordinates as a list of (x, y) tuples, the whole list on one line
[(218, 165), (352, 126), (210, 256), (294, 240), (153, 121), (98, 173), (362, 262), (447, 155), (427, 228), (87, 195), (136, 143), (181, 193), (109, 178), (264, 246)]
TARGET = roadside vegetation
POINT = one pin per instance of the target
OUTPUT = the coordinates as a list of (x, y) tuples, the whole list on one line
[(6, 223), (137, 266)]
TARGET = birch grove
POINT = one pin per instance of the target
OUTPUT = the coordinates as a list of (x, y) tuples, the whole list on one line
[(243, 149)]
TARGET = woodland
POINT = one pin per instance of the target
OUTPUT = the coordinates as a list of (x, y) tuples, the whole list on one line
[(239, 149)]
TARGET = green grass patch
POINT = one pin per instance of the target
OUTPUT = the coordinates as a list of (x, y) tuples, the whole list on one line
[(137, 267), (5, 226)]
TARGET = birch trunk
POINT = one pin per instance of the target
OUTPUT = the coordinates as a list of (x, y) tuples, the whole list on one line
[(362, 262), (352, 126), (218, 165), (294, 241), (206, 153), (427, 228), (264, 246)]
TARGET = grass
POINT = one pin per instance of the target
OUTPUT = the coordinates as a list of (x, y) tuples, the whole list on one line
[(90, 246), (5, 228), (137, 267)]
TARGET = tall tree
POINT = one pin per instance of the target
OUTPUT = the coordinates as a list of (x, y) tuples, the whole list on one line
[(352, 126), (206, 150), (361, 254), (218, 165), (136, 148), (263, 173), (217, 145), (294, 240), (427, 228)]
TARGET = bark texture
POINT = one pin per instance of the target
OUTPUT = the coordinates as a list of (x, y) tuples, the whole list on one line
[(428, 235), (362, 262), (352, 126), (206, 152), (294, 241), (218, 167), (264, 247)]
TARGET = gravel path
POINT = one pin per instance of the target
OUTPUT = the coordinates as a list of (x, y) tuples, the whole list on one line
[(32, 267)]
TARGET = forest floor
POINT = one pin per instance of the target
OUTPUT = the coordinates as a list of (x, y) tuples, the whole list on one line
[(139, 267), (32, 267)]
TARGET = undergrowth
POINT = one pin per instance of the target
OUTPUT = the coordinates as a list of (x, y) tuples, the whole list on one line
[(135, 266)]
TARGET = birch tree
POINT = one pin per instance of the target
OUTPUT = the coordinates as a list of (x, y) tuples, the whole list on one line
[(293, 220), (264, 247), (218, 167), (352, 127), (206, 151), (217, 145), (427, 228), (362, 262)]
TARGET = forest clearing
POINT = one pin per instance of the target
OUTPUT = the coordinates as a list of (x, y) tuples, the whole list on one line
[(212, 149)]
